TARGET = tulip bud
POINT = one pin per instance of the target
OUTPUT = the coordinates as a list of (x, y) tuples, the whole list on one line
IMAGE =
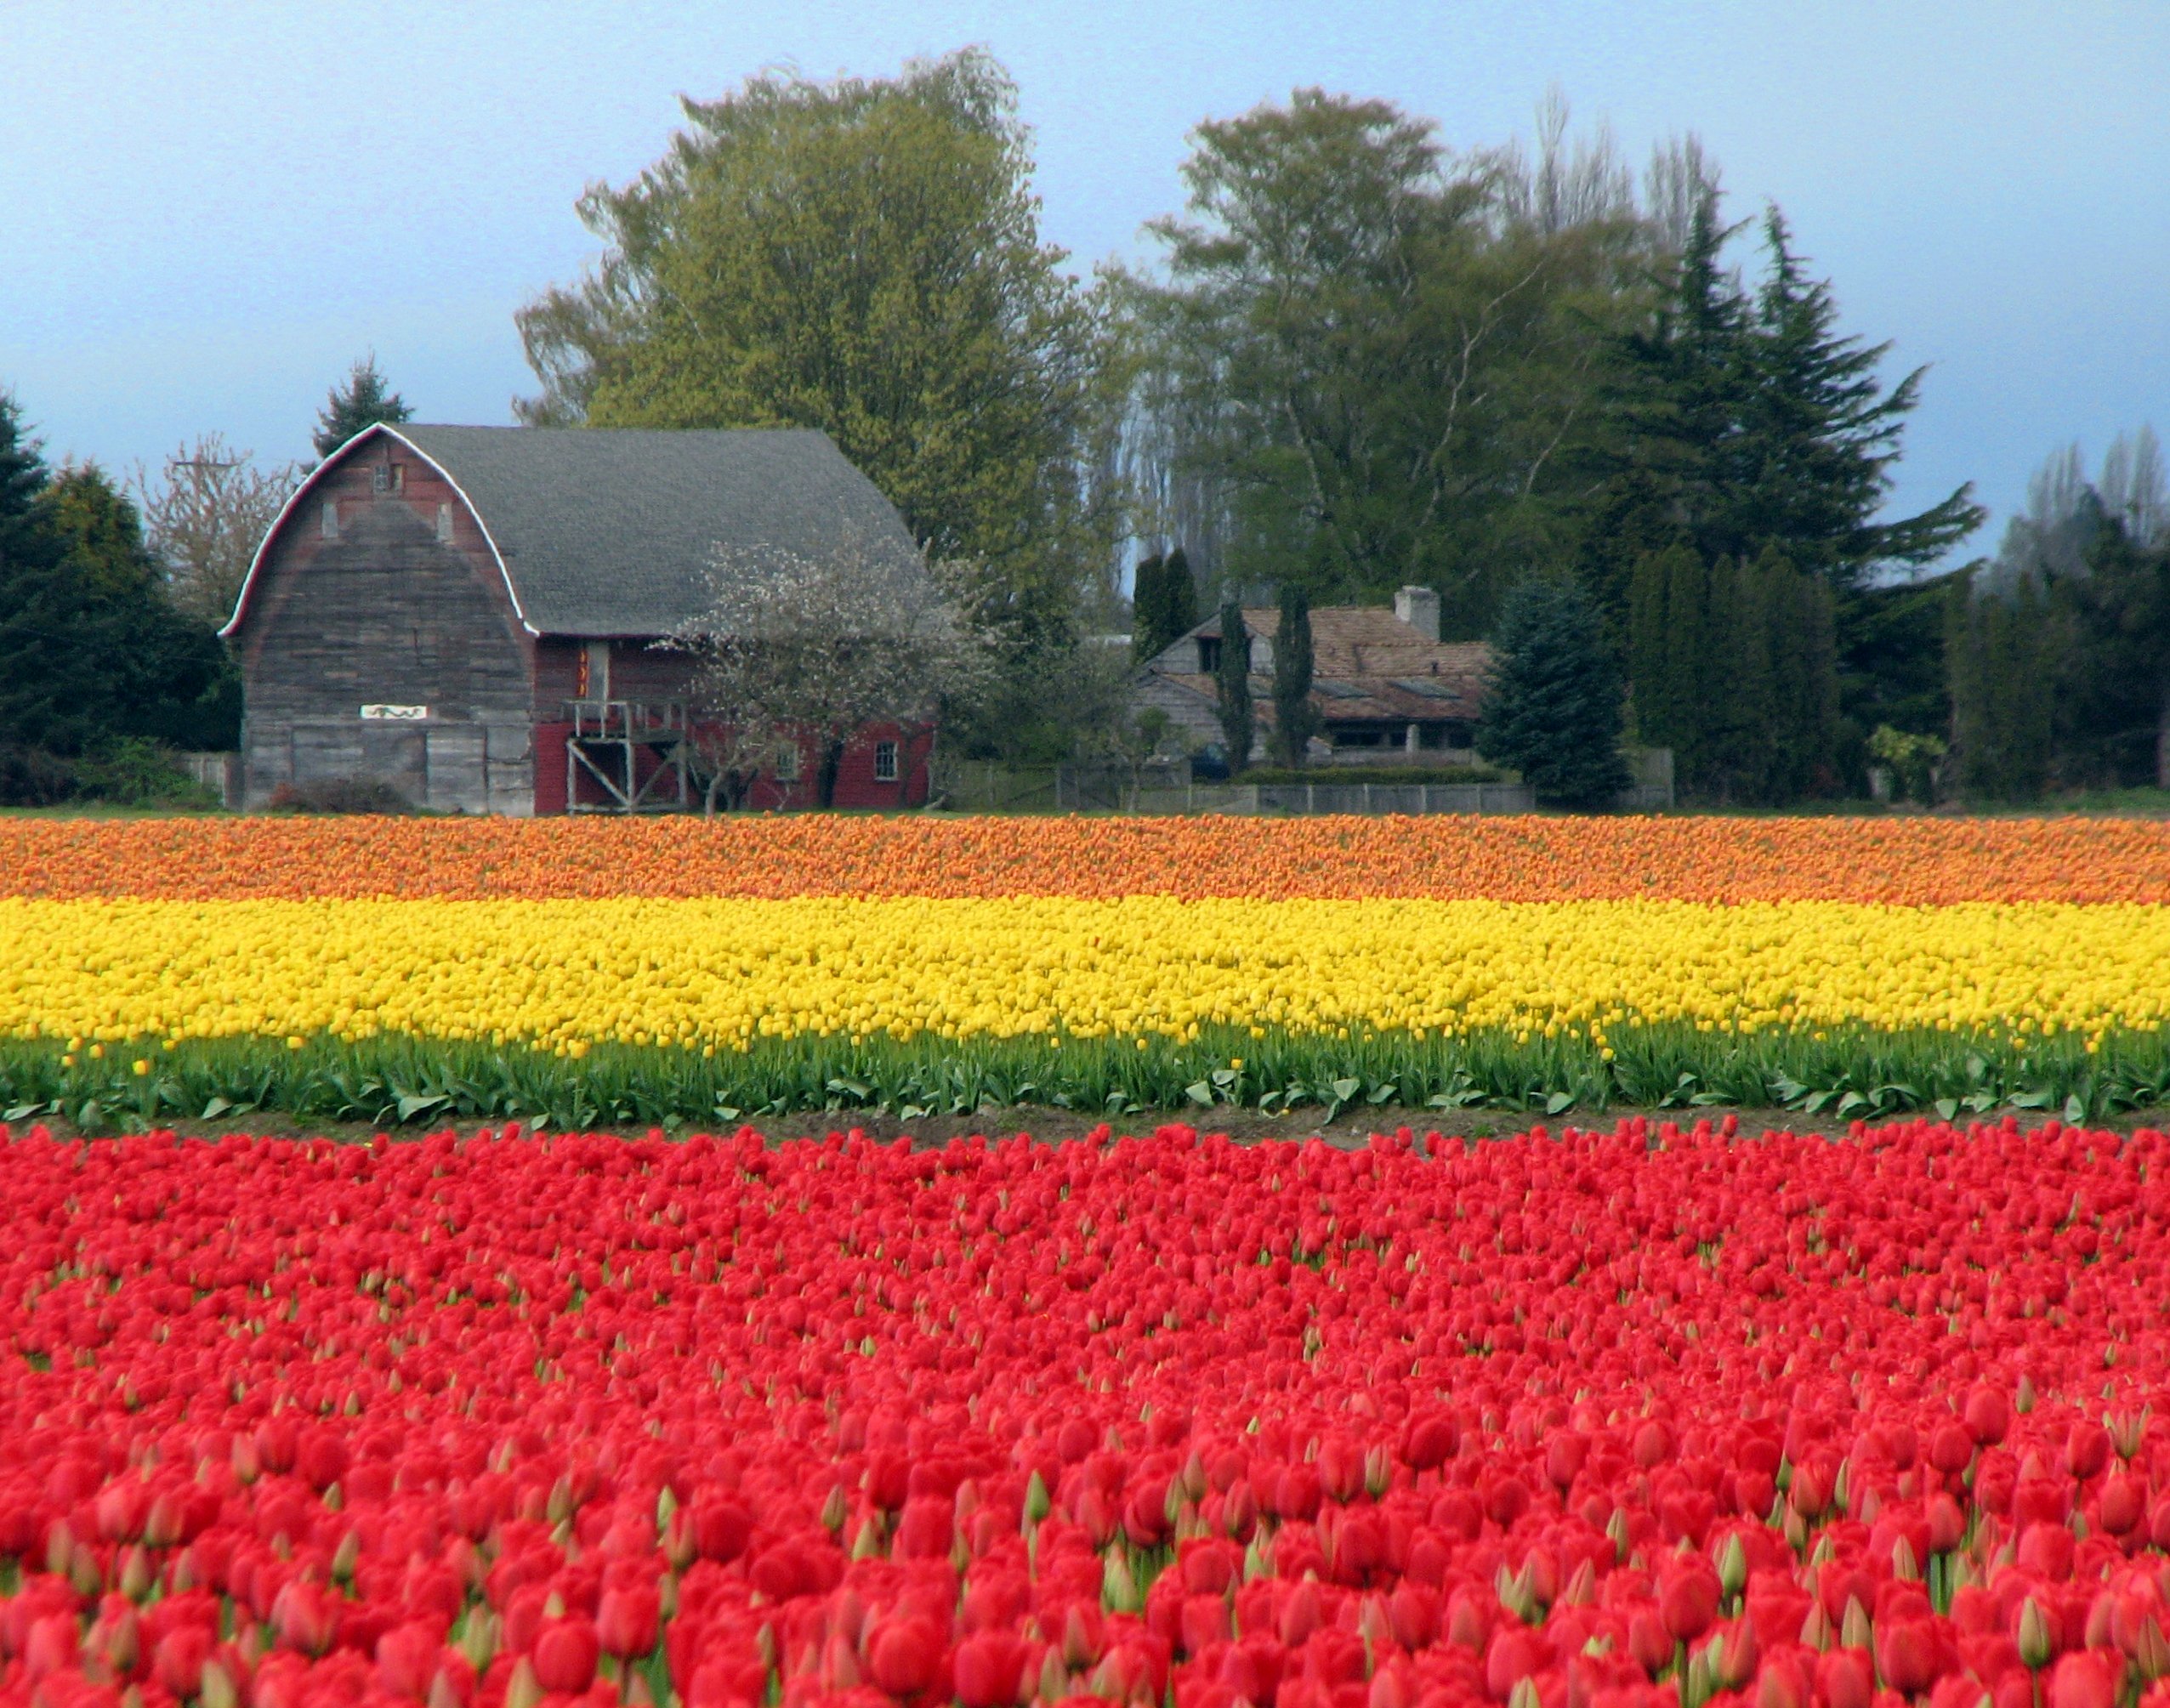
[(2150, 1651), (346, 1557), (523, 1689), (1739, 1656), (2033, 1635), (1904, 1566), (1523, 1694), (834, 1511), (479, 1639), (1118, 1589), (136, 1575), (1378, 1471), (1816, 1629), (1732, 1567), (443, 1693), (215, 1689), (1855, 1630), (867, 1544), (1037, 1504)]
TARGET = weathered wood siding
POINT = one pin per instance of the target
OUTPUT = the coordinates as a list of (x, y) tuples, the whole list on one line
[(387, 611)]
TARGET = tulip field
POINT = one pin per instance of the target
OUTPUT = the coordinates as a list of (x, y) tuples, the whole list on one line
[(1660, 1416), (1644, 1411), (568, 974)]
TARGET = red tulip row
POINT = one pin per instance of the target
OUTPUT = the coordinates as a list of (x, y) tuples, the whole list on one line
[(1644, 1419)]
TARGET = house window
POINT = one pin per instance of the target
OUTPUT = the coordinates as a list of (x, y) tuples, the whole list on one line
[(885, 762), (787, 764), (1209, 655), (380, 478)]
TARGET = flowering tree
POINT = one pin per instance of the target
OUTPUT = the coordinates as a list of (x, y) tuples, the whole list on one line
[(796, 650)]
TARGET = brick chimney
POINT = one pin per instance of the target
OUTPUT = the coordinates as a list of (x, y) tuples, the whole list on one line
[(1419, 607)]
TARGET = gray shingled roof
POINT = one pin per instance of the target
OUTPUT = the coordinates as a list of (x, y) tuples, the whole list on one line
[(610, 531)]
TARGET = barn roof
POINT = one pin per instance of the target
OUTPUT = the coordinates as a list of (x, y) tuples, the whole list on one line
[(610, 531)]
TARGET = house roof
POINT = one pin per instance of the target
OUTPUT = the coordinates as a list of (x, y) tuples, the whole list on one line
[(610, 531), (1366, 664)]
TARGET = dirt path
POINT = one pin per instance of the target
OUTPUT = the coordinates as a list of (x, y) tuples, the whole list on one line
[(1060, 1125)]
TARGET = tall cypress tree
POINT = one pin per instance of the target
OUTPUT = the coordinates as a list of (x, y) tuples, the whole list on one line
[(1232, 685), (1148, 609), (1553, 709), (1179, 595), (1295, 721)]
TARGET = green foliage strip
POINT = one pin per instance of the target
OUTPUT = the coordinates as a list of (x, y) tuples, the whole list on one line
[(1379, 1076)]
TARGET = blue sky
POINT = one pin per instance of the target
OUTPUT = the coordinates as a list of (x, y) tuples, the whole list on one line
[(207, 210)]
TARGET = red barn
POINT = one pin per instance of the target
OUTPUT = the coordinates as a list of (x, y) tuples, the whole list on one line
[(469, 613)]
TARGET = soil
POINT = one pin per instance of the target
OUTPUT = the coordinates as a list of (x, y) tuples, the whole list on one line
[(1349, 1131)]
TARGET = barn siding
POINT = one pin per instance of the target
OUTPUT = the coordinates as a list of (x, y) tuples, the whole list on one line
[(386, 612)]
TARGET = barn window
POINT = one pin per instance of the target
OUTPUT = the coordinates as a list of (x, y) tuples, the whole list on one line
[(444, 524), (787, 764), (885, 762), (387, 477), (331, 516)]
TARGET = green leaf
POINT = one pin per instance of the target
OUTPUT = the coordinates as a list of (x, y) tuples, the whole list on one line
[(1948, 1108), (1381, 1092), (413, 1105), (1200, 1092), (1558, 1103), (2033, 1099), (1345, 1089), (1849, 1102), (22, 1111), (2076, 1109), (214, 1109)]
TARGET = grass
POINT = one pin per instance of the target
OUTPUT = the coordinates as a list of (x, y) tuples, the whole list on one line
[(395, 1079)]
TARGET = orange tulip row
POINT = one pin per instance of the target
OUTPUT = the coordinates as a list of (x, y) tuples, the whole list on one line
[(1913, 861)]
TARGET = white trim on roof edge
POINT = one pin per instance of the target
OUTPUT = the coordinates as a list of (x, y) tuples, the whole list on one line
[(248, 581)]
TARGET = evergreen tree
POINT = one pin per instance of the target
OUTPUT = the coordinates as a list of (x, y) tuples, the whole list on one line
[(365, 399), (1232, 685), (1295, 721), (1148, 609), (1801, 614), (1553, 709), (91, 648), (1734, 668), (1179, 595), (2000, 652), (1819, 435)]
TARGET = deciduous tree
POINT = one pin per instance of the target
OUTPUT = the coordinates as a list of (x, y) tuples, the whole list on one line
[(861, 256)]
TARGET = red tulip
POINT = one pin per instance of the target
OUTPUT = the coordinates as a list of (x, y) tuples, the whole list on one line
[(567, 1651)]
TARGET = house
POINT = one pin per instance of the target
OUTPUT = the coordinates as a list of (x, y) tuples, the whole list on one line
[(468, 614), (1386, 687)]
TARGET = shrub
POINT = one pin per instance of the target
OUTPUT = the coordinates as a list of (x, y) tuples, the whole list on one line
[(340, 795)]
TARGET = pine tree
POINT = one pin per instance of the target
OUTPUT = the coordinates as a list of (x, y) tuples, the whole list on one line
[(365, 399), (1232, 685), (1554, 707), (1295, 721), (1819, 435), (1148, 609)]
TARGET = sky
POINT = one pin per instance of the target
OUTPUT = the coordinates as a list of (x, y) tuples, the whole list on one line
[(208, 211)]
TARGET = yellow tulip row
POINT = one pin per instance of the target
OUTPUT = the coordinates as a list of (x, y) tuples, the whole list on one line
[(717, 973)]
